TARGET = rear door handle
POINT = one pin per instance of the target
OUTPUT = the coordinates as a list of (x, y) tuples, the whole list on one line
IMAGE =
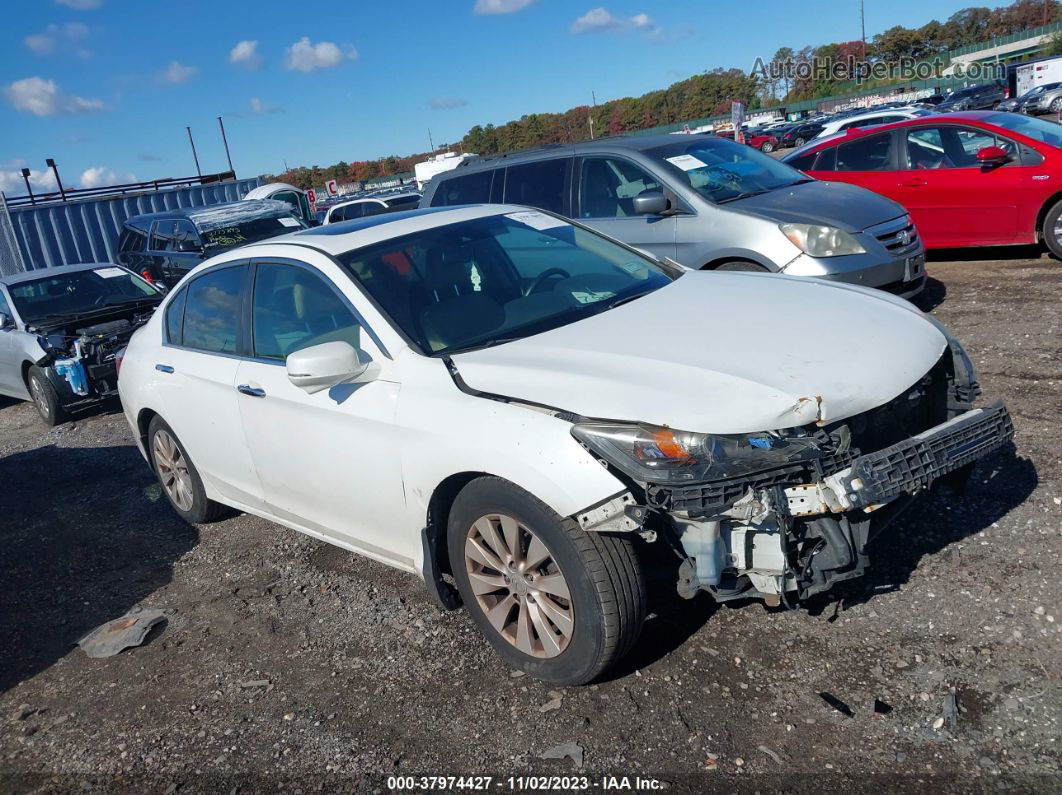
[(163, 368), (253, 391), (913, 183)]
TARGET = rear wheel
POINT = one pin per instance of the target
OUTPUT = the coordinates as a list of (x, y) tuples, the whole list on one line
[(767, 146), (799, 142), (45, 398), (178, 476), (554, 601), (1051, 230), (741, 265)]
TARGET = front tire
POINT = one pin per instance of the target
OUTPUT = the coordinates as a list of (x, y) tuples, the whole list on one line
[(178, 476), (741, 265), (1055, 105), (45, 398), (554, 601)]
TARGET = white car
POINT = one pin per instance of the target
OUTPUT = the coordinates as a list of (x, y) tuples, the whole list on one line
[(497, 397), (869, 119), (359, 208)]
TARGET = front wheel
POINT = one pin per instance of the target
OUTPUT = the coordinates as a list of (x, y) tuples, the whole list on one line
[(45, 398), (742, 265), (554, 601), (1056, 105)]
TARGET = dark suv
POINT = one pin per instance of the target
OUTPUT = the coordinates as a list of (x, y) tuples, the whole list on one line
[(162, 247), (800, 134), (984, 97)]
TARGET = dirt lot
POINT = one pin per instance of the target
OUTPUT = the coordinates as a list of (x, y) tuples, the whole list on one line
[(289, 665)]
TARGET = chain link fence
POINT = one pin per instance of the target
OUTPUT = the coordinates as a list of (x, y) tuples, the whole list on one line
[(10, 254)]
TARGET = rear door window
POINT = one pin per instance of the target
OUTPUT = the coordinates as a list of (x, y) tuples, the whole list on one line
[(175, 317), (164, 236), (212, 313), (541, 184), (873, 153), (466, 189)]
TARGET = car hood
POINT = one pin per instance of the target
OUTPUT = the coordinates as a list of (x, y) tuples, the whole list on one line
[(847, 207), (720, 352)]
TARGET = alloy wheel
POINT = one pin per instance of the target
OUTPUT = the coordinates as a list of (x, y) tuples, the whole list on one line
[(519, 586), (39, 400), (172, 467)]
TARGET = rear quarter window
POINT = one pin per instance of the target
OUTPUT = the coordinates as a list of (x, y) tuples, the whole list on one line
[(466, 189)]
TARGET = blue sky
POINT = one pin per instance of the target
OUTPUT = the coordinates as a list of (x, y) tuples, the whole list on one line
[(106, 87)]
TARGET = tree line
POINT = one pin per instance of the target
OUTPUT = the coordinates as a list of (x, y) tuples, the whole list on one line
[(711, 93)]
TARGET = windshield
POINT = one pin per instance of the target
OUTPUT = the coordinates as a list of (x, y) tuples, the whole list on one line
[(1047, 132), (722, 170), (238, 234), (491, 280), (79, 293)]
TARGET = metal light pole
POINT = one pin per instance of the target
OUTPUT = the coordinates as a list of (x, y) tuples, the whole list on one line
[(59, 182), (29, 190), (194, 155), (225, 141)]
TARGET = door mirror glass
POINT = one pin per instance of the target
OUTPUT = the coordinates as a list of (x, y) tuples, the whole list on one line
[(992, 156), (320, 367), (651, 203), (5, 320)]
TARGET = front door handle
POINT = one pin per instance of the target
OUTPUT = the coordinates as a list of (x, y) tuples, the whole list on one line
[(913, 183), (163, 368), (253, 391)]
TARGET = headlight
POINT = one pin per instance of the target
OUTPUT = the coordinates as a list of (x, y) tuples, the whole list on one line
[(821, 241), (663, 455)]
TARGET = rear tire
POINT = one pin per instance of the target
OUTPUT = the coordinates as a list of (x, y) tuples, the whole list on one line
[(1051, 230), (586, 632), (45, 398), (766, 146), (799, 142), (178, 476), (743, 265)]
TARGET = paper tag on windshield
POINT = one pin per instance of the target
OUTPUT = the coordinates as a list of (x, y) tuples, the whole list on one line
[(686, 162), (288, 222), (590, 296), (535, 220), (109, 273)]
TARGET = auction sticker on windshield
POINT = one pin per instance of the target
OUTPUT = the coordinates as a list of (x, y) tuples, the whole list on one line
[(288, 222), (535, 220), (109, 273), (686, 162)]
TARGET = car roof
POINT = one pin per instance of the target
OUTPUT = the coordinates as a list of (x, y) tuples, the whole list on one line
[(191, 212), (343, 236), (42, 273), (382, 198)]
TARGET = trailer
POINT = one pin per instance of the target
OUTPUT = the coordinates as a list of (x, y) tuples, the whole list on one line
[(1028, 76)]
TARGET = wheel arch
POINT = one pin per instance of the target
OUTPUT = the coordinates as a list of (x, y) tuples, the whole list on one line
[(1041, 214), (143, 422), (436, 556), (714, 263)]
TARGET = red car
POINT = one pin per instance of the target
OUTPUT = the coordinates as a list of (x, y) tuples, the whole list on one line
[(979, 178), (762, 141)]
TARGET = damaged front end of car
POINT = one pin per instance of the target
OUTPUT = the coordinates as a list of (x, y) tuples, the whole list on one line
[(82, 356), (784, 515)]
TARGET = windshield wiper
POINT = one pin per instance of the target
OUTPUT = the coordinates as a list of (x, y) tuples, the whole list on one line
[(626, 299), (745, 195)]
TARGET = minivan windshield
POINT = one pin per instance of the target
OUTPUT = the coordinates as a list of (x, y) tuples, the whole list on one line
[(1046, 132), (77, 293), (491, 280), (723, 171)]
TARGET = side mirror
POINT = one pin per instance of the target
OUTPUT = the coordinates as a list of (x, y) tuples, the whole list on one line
[(6, 321), (992, 156), (651, 203), (189, 247), (323, 366)]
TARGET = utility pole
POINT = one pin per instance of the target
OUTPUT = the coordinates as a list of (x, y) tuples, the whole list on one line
[(225, 141), (194, 155), (863, 28), (431, 143), (593, 107)]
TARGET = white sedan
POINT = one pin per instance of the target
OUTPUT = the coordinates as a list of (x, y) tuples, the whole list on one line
[(500, 399)]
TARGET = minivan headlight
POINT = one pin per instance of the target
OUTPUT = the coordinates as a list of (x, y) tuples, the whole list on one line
[(821, 241), (655, 454)]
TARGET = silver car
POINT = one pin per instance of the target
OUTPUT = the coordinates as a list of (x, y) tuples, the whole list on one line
[(707, 203), (1046, 98), (62, 331)]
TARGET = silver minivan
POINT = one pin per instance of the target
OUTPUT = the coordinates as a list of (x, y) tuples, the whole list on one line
[(707, 203)]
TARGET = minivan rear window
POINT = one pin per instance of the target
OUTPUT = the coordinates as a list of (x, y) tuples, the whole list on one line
[(468, 189), (539, 184)]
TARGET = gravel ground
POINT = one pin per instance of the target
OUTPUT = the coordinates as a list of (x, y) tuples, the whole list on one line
[(289, 665)]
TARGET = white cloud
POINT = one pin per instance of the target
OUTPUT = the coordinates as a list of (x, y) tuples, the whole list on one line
[(259, 107), (179, 73), (245, 54), (501, 6), (446, 103), (305, 56), (80, 5), (55, 36), (101, 176), (12, 184), (599, 20), (44, 98)]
